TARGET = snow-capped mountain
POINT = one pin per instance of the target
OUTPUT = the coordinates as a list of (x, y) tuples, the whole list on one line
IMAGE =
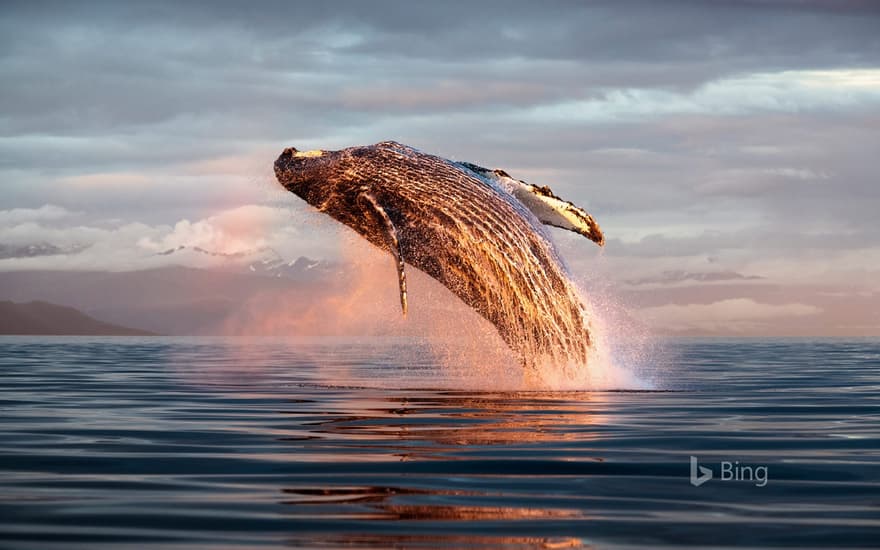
[(301, 268), (264, 261)]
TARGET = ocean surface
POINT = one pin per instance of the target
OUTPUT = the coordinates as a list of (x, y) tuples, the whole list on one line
[(213, 443)]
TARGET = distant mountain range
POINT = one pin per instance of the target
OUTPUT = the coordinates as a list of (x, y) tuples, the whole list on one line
[(268, 296), (172, 300), (300, 269), (265, 261), (46, 318), (261, 293)]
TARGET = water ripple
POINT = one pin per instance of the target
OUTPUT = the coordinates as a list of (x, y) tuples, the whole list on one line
[(197, 443)]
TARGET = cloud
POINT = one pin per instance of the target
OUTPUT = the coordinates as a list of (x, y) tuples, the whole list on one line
[(757, 240), (33, 250), (736, 140), (679, 276), (108, 179), (242, 229), (726, 316), (445, 95), (47, 212), (784, 91), (749, 182), (245, 233)]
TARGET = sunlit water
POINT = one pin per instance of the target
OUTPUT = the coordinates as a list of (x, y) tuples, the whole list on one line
[(198, 443)]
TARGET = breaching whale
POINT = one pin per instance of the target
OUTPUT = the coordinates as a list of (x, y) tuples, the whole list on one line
[(477, 231)]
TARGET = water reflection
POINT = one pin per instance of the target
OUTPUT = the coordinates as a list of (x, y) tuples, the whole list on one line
[(443, 541), (430, 425), (385, 503), (441, 428)]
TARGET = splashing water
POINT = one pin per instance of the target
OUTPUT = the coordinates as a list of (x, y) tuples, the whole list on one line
[(363, 303), (468, 347)]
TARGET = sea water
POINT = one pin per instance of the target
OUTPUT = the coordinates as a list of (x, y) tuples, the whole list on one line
[(342, 443)]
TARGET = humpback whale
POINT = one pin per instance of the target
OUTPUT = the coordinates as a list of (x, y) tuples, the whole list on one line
[(477, 231)]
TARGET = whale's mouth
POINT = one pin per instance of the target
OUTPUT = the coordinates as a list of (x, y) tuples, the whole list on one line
[(292, 165)]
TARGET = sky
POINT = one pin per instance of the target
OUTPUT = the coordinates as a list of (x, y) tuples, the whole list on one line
[(727, 149)]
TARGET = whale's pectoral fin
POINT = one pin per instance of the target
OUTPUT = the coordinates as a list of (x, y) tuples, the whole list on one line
[(552, 210), (546, 206), (391, 240)]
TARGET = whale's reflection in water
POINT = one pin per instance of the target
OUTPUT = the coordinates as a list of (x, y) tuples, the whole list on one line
[(434, 423), (381, 504), (446, 426), (444, 541)]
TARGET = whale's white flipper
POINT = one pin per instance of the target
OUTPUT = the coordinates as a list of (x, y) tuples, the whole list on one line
[(544, 204), (393, 244)]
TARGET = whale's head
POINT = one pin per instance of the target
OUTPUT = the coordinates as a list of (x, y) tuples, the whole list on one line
[(306, 174), (332, 182)]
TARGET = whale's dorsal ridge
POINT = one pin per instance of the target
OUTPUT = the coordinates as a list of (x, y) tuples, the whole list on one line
[(543, 203), (396, 146), (392, 241)]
